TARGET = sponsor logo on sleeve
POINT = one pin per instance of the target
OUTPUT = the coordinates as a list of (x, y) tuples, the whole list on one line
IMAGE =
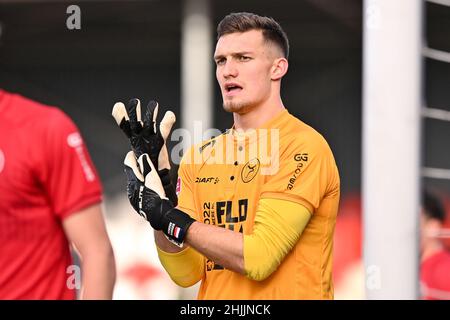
[(75, 141), (300, 158), (178, 189), (2, 161)]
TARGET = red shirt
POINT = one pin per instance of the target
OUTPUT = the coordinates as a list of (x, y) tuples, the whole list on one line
[(46, 174), (435, 276)]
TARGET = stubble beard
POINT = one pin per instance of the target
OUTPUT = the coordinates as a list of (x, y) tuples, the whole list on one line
[(237, 107)]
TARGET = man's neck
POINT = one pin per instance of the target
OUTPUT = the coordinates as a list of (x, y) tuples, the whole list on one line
[(256, 117)]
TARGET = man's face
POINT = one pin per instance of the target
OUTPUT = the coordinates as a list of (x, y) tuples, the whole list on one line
[(429, 228), (243, 70)]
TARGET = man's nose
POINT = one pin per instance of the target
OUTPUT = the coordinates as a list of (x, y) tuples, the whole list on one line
[(230, 70)]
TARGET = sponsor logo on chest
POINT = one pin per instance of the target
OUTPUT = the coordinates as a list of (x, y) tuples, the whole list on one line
[(213, 180)]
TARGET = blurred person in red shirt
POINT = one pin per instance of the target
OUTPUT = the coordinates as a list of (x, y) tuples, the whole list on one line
[(50, 198), (435, 257)]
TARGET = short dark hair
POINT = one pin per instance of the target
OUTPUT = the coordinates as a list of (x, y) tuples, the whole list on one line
[(245, 21), (432, 206)]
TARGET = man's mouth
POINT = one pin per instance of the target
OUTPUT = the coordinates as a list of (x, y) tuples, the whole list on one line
[(232, 87)]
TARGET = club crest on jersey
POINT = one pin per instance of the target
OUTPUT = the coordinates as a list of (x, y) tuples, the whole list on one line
[(250, 170)]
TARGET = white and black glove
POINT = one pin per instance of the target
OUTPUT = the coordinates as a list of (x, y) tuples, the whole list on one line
[(146, 195), (146, 137)]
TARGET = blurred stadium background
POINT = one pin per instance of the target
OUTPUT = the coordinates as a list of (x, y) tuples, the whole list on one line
[(131, 49)]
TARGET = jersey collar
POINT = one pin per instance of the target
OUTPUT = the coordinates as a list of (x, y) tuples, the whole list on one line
[(249, 135)]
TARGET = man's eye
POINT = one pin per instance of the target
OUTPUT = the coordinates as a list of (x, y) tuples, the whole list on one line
[(220, 62), (244, 58)]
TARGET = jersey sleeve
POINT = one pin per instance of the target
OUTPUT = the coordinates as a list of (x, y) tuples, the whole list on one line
[(278, 226), (68, 174), (307, 172), (185, 268), (185, 184)]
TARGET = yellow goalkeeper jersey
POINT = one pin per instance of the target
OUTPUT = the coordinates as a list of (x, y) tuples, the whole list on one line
[(221, 181)]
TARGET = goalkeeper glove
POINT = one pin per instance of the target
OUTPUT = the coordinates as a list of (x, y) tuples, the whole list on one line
[(146, 195), (147, 137)]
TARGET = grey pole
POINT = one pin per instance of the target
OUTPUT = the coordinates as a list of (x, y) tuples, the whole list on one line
[(392, 97), (196, 70)]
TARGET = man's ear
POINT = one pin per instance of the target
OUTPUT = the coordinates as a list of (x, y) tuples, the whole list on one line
[(279, 68)]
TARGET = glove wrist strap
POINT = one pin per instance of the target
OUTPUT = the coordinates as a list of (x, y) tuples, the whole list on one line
[(175, 225)]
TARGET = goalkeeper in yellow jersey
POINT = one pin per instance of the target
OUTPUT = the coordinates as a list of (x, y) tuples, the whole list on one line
[(255, 208)]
